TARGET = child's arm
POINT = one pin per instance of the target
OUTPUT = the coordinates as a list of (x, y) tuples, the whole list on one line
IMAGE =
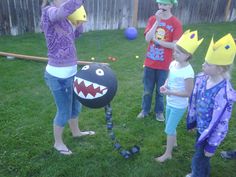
[(219, 133), (151, 33), (165, 44), (221, 128), (67, 8), (191, 114), (186, 93), (163, 88)]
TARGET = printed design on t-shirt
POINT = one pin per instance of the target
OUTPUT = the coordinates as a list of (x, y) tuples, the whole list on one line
[(156, 52), (167, 26), (160, 34)]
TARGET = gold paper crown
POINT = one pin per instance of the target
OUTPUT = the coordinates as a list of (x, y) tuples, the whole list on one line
[(222, 52), (78, 15), (189, 41)]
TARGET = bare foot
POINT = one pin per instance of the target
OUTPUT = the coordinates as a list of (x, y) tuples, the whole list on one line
[(163, 158)]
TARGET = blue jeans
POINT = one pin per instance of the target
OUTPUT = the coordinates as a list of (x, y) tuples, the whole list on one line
[(152, 78), (68, 107), (200, 163), (173, 117)]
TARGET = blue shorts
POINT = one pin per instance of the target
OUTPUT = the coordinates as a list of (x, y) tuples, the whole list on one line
[(68, 107), (173, 117)]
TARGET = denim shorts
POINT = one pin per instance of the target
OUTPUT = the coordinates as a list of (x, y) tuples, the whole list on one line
[(68, 106)]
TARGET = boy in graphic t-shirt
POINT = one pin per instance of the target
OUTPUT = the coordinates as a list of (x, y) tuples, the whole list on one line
[(162, 31)]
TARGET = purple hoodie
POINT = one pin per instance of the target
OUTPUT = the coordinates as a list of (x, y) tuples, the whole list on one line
[(59, 33), (218, 127)]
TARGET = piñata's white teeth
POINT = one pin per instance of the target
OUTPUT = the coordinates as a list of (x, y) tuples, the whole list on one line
[(102, 87), (81, 95), (95, 86), (104, 91), (98, 95), (76, 91), (87, 83), (79, 80), (89, 96)]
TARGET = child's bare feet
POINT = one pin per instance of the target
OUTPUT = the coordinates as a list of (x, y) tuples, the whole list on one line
[(163, 158)]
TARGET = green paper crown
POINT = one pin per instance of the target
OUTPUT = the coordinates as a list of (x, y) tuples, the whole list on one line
[(167, 1)]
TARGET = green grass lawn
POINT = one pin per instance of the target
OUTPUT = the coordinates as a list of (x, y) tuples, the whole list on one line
[(27, 110)]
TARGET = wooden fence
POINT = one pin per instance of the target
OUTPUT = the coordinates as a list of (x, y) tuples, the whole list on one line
[(20, 16)]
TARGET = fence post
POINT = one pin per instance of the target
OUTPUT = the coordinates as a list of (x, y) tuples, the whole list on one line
[(227, 10), (135, 13)]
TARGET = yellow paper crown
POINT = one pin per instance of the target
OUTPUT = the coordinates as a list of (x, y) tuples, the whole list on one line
[(78, 15), (222, 52), (189, 41)]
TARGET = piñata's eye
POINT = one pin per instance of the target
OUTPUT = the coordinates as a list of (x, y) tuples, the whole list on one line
[(86, 67), (100, 72)]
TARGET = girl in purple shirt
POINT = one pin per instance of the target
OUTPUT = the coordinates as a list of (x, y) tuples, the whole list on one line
[(60, 37), (211, 104)]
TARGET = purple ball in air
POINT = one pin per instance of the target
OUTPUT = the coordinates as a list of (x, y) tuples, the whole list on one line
[(131, 33)]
